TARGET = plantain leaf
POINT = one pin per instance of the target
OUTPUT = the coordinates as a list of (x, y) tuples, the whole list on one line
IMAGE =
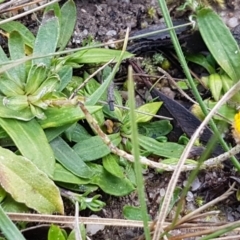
[(110, 163), (27, 184), (46, 40), (151, 108), (220, 42), (167, 149), (70, 159), (10, 87), (19, 27), (24, 114), (17, 50), (67, 23), (59, 116), (31, 142), (215, 85)]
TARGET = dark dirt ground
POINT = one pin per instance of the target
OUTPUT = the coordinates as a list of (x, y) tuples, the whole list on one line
[(106, 21)]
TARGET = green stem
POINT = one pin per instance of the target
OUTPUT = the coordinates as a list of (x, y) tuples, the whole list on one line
[(184, 65)]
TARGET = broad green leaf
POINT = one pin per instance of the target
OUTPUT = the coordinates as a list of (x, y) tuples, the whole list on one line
[(67, 23), (215, 85), (110, 163), (10, 87), (61, 174), (151, 108), (24, 115), (59, 116), (19, 27), (201, 60), (69, 158), (168, 149), (220, 42), (8, 228), (46, 40), (55, 232), (111, 184), (97, 55), (27, 184), (16, 48), (155, 129), (85, 148), (31, 142), (133, 213)]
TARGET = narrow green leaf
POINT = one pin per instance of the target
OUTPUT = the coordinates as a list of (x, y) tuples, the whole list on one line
[(69, 158), (97, 55), (65, 75), (61, 174), (151, 108), (59, 116), (16, 103), (27, 184), (10, 205), (36, 76), (110, 163), (19, 27), (17, 50), (201, 60), (215, 85), (220, 42), (8, 228), (68, 21), (85, 148), (168, 149), (46, 40), (31, 142)]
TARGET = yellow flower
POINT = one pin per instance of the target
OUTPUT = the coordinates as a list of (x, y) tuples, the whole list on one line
[(236, 127)]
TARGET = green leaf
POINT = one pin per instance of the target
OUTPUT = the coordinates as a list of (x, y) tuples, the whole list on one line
[(201, 60), (59, 116), (67, 23), (55, 232), (65, 75), (215, 85), (111, 184), (85, 148), (19, 27), (36, 76), (151, 108), (97, 55), (110, 163), (24, 114), (27, 184), (8, 228), (17, 103), (31, 142), (10, 87), (133, 213), (61, 174), (10, 205), (220, 42), (46, 40), (70, 159), (168, 149), (77, 133), (17, 50), (155, 129)]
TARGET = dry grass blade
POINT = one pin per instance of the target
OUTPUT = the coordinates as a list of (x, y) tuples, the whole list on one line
[(165, 206)]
